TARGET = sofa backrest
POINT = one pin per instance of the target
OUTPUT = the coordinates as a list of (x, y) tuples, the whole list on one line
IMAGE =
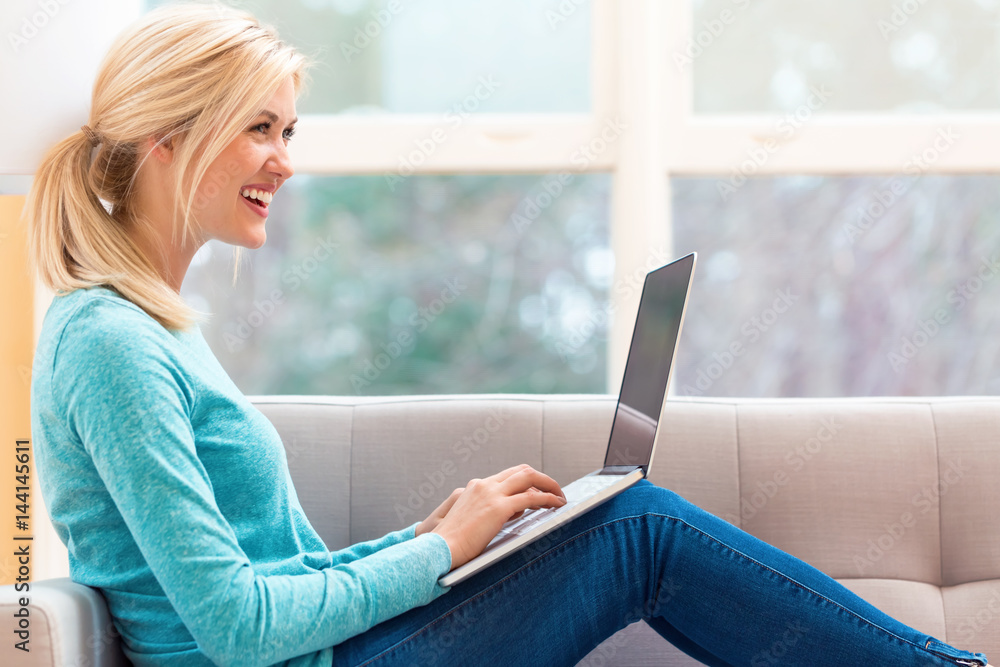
[(818, 478)]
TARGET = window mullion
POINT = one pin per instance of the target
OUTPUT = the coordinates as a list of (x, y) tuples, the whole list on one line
[(640, 216)]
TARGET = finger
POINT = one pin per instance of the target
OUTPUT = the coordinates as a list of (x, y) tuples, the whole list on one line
[(517, 515), (534, 507), (449, 502), (532, 499), (527, 478), (539, 499), (509, 472)]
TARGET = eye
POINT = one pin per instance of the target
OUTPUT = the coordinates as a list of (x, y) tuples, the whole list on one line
[(265, 127)]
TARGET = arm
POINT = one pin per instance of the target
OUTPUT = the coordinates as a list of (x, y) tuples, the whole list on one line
[(130, 406), (365, 549)]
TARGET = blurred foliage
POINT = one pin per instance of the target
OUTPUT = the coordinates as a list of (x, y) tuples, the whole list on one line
[(906, 56), (869, 293), (433, 288)]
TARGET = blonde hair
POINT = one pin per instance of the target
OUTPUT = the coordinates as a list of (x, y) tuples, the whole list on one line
[(192, 75)]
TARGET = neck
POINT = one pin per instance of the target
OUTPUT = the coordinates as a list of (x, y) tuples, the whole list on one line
[(153, 229), (171, 259)]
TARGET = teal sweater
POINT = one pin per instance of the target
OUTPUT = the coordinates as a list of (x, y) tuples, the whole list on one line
[(173, 496)]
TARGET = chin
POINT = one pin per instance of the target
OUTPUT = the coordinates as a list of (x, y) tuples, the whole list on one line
[(256, 241), (249, 240)]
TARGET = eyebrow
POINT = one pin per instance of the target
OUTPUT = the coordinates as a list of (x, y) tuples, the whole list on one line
[(273, 117)]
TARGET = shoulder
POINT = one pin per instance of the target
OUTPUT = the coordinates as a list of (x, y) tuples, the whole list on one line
[(97, 325), (98, 348)]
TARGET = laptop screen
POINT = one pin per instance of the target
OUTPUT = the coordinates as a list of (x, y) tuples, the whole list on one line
[(647, 370)]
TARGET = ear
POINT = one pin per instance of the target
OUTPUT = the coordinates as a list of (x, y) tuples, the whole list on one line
[(161, 148)]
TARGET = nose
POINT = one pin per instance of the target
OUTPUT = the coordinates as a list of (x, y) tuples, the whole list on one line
[(280, 163)]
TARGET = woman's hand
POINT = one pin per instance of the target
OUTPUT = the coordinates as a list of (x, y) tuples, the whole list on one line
[(472, 516), (428, 524)]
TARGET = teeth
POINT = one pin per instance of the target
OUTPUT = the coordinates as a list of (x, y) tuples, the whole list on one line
[(260, 195)]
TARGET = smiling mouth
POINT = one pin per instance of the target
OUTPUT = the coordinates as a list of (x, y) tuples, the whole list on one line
[(261, 198)]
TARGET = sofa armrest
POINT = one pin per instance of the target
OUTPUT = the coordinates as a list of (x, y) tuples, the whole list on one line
[(68, 626)]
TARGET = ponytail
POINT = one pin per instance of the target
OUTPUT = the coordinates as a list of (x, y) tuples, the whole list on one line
[(76, 242)]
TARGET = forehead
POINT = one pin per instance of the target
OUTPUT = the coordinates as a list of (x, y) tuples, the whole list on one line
[(281, 106)]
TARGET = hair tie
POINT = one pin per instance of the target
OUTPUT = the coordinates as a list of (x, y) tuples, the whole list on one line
[(91, 135)]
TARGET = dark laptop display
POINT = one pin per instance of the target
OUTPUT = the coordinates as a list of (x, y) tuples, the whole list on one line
[(647, 370)]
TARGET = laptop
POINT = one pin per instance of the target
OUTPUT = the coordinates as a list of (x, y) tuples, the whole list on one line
[(633, 431)]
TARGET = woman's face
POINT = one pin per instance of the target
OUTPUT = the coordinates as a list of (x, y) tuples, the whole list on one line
[(231, 203)]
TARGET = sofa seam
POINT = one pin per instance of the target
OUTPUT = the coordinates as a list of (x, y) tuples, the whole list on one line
[(739, 467), (541, 439), (937, 462), (350, 478)]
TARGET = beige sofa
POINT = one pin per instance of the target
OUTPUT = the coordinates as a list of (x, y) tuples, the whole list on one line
[(897, 498)]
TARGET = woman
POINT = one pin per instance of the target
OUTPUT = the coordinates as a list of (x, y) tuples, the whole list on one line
[(172, 492)]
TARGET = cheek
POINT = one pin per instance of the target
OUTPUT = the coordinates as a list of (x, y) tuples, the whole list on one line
[(234, 167), (222, 181)]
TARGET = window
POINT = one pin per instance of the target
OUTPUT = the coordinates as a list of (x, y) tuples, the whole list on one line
[(833, 166)]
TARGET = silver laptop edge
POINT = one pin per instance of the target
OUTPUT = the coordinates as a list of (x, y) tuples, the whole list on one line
[(630, 474)]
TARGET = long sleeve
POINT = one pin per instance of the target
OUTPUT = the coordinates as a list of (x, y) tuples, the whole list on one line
[(133, 408), (364, 549)]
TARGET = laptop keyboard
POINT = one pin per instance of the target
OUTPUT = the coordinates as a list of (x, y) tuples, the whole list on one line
[(577, 492)]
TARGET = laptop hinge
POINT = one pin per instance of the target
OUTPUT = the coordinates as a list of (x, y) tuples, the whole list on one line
[(620, 470)]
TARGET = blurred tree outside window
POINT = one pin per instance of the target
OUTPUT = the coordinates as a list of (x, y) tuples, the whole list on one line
[(884, 56), (436, 287), (451, 284), (827, 287)]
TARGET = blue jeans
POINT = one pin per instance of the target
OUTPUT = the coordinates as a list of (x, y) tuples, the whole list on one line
[(718, 594)]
